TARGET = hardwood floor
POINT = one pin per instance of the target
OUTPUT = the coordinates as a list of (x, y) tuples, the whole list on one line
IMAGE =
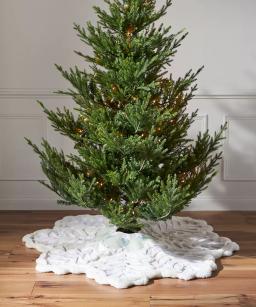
[(234, 284)]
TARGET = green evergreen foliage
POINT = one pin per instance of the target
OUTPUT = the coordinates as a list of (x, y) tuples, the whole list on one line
[(133, 159)]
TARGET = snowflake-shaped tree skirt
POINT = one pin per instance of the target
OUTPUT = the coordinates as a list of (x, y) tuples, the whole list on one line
[(181, 247)]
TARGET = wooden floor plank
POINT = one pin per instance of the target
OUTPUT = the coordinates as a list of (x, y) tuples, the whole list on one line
[(42, 302), (206, 300), (16, 289), (156, 289)]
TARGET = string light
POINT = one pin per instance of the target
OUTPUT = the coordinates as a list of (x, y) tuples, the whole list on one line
[(79, 130), (114, 88), (130, 31), (88, 173), (155, 100), (182, 177), (143, 134), (100, 183)]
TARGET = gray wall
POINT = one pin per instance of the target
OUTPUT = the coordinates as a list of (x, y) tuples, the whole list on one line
[(34, 34)]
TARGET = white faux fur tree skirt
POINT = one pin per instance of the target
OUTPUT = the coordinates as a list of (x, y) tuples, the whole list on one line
[(181, 247)]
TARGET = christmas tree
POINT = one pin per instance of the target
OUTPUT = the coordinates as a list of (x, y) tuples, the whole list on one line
[(133, 159)]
